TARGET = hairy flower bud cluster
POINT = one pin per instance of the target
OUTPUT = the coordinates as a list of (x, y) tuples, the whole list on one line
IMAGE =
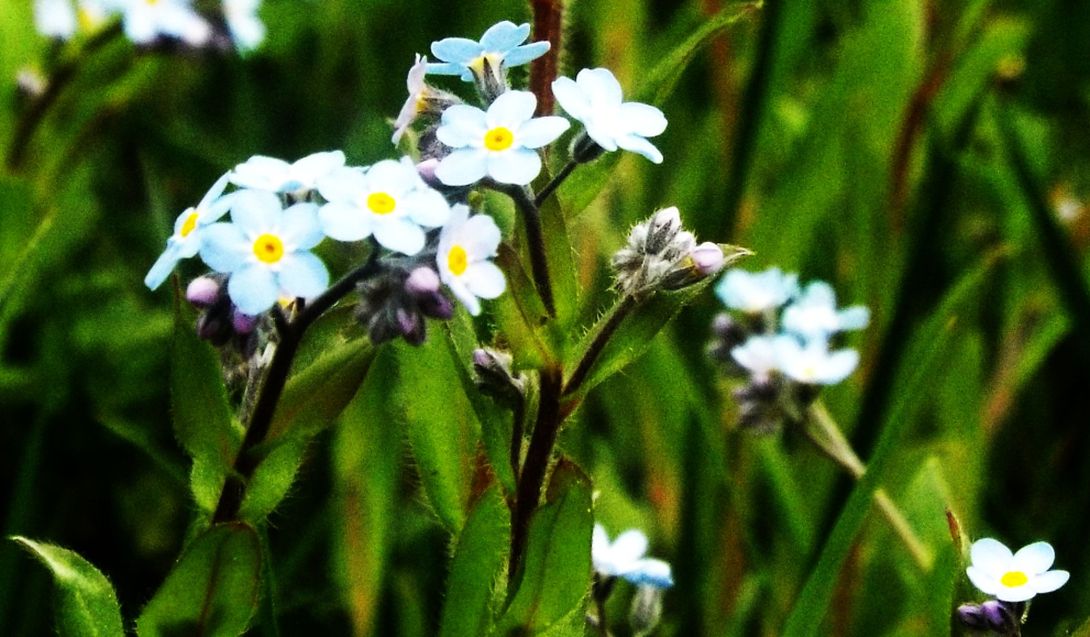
[(661, 255), (778, 340), (220, 322), (1002, 618), (396, 304)]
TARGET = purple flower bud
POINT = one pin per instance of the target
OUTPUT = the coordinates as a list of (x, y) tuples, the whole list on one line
[(708, 258), (972, 617), (426, 170), (999, 616), (242, 323), (436, 306), (483, 358), (212, 329), (202, 291), (411, 326), (422, 282)]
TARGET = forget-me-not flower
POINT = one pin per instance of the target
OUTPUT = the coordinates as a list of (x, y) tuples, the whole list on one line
[(465, 246), (814, 314), (64, 18), (266, 251), (760, 354), (389, 200), (594, 98), (812, 363), (756, 292), (500, 143), (247, 29), (624, 557), (146, 20), (185, 242), (502, 44), (276, 175), (423, 99), (1014, 577)]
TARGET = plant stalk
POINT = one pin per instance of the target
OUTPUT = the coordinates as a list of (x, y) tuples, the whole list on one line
[(555, 182), (617, 315), (535, 239)]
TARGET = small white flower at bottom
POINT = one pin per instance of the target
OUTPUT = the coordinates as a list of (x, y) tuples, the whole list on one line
[(186, 240), (813, 363), (465, 246), (624, 557), (760, 354), (1014, 577), (814, 313)]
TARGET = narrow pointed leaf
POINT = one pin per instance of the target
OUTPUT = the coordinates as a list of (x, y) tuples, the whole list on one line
[(479, 559)]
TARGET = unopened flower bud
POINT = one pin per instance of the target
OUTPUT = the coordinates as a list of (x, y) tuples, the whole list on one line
[(426, 170), (999, 616), (662, 229), (31, 83), (243, 323), (646, 611), (422, 282), (203, 291), (708, 258), (495, 376), (411, 326), (972, 617)]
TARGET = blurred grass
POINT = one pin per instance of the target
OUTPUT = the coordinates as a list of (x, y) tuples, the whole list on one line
[(889, 146)]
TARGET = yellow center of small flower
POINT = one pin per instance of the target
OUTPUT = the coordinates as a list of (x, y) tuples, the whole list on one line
[(1013, 579), (87, 20), (499, 138), (190, 224), (457, 260), (268, 248), (151, 3), (381, 203)]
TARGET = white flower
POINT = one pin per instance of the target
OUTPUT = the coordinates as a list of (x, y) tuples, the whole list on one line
[(186, 240), (813, 363), (266, 251), (594, 98), (465, 245), (500, 45), (63, 18), (760, 354), (1014, 577), (624, 557), (389, 200), (417, 92), (146, 20), (756, 292), (499, 144), (247, 29), (814, 313), (277, 175)]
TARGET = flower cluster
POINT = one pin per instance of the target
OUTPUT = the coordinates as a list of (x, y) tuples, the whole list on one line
[(1012, 578), (281, 211), (145, 22), (500, 140), (779, 338), (660, 254)]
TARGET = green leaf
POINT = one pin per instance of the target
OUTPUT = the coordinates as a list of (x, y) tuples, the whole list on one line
[(479, 559), (921, 363), (212, 591), (438, 424), (556, 575), (562, 268), (579, 190), (272, 480), (86, 603), (202, 416)]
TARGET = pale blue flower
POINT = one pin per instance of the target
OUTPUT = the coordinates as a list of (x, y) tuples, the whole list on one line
[(500, 44), (64, 18), (500, 143), (624, 557), (1014, 577), (276, 175), (465, 246), (594, 98), (146, 20), (389, 200), (812, 363), (760, 354), (266, 251), (247, 29), (756, 292), (814, 314), (189, 227)]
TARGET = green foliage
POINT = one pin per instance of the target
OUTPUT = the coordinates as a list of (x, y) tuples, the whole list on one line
[(86, 604), (213, 589)]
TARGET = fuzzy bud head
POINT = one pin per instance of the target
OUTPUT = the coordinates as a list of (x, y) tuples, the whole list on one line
[(972, 617), (426, 170), (422, 282), (708, 258), (242, 323), (646, 610), (495, 376), (661, 229), (203, 291), (999, 616)]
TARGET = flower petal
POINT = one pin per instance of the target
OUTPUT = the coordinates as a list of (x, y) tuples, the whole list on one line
[(303, 275), (1034, 558), (462, 125), (480, 236), (215, 191), (599, 546), (570, 98), (459, 50), (643, 119), (1015, 593), (511, 109), (630, 546), (400, 235), (541, 131), (639, 145), (316, 165), (255, 211), (261, 172), (525, 53), (518, 166), (988, 554), (445, 68), (600, 86), (853, 318), (463, 167), (345, 185), (300, 227), (344, 222), (504, 36), (223, 247), (650, 572), (253, 289), (985, 582), (163, 266), (1050, 581), (392, 177), (485, 280), (462, 293), (427, 207)]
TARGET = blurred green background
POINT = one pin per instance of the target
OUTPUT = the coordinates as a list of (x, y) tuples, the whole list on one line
[(930, 158)]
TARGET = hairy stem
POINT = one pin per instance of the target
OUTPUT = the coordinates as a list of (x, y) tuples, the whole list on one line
[(548, 26), (555, 182), (272, 387), (535, 239), (604, 331), (823, 431)]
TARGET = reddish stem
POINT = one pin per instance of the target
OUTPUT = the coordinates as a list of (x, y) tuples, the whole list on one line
[(548, 25)]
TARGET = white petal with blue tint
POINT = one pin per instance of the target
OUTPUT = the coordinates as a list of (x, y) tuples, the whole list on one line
[(504, 35), (399, 235), (255, 211), (303, 275), (224, 248), (427, 207), (300, 226), (485, 280), (163, 266), (342, 185), (525, 53), (344, 222), (253, 289), (456, 50), (511, 109), (541, 131), (518, 166), (462, 167)]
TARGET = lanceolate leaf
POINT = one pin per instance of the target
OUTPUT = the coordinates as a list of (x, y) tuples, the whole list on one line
[(556, 575), (86, 603), (213, 590), (202, 415), (478, 561)]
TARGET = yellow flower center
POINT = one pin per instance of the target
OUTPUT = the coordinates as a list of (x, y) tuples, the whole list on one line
[(268, 248), (87, 20), (1013, 579), (457, 260), (499, 138), (151, 3), (381, 203), (190, 224)]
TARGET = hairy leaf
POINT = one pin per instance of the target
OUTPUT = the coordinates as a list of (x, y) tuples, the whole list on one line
[(479, 558)]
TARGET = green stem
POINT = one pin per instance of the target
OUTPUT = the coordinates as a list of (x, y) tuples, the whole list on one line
[(555, 182), (535, 239), (823, 431), (606, 330)]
